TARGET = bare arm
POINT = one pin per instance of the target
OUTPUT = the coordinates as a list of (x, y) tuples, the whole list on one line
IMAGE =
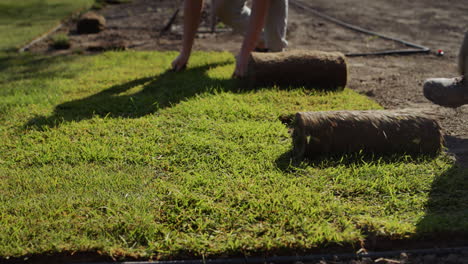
[(192, 15), (256, 23)]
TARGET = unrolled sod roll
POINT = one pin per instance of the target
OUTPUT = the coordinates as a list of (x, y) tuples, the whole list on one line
[(378, 132), (312, 69)]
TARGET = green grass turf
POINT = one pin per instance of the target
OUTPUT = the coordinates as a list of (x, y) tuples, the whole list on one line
[(113, 153), (23, 20)]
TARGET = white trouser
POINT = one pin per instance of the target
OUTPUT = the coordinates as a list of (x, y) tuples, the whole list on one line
[(463, 57), (236, 14)]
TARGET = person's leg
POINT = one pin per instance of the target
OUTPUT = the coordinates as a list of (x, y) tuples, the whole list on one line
[(233, 13), (450, 92), (463, 57), (276, 25), (236, 15)]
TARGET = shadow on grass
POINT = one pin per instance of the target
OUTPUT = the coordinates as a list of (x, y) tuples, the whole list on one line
[(154, 93), (458, 147), (32, 66), (447, 208), (445, 223), (287, 162)]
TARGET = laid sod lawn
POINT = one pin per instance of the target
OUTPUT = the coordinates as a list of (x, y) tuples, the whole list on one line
[(113, 154)]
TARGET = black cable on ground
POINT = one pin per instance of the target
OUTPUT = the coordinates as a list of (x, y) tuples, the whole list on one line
[(169, 23), (292, 259), (415, 47)]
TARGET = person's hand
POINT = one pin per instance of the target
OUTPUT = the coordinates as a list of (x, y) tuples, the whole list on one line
[(180, 63), (242, 63)]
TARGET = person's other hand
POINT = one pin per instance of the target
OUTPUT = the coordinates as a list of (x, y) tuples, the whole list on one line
[(180, 63), (241, 66)]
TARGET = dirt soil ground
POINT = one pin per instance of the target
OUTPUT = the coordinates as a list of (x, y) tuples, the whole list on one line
[(393, 81)]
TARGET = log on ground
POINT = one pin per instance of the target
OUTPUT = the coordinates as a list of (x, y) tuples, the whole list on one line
[(379, 132), (311, 69)]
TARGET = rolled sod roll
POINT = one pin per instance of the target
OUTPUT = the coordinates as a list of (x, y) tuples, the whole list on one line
[(379, 132), (312, 69)]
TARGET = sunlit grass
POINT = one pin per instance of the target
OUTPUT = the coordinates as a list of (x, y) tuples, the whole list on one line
[(113, 153)]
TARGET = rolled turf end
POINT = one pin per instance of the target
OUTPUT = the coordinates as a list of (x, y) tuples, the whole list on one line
[(378, 132), (311, 69)]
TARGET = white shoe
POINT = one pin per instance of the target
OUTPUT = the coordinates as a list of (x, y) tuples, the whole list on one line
[(448, 92)]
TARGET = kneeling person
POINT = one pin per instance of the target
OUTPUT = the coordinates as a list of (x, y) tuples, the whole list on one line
[(271, 14)]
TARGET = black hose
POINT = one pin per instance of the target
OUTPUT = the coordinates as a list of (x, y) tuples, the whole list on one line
[(292, 259), (169, 23), (416, 48)]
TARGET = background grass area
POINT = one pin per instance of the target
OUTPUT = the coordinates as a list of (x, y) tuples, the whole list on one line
[(21, 21), (113, 153)]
